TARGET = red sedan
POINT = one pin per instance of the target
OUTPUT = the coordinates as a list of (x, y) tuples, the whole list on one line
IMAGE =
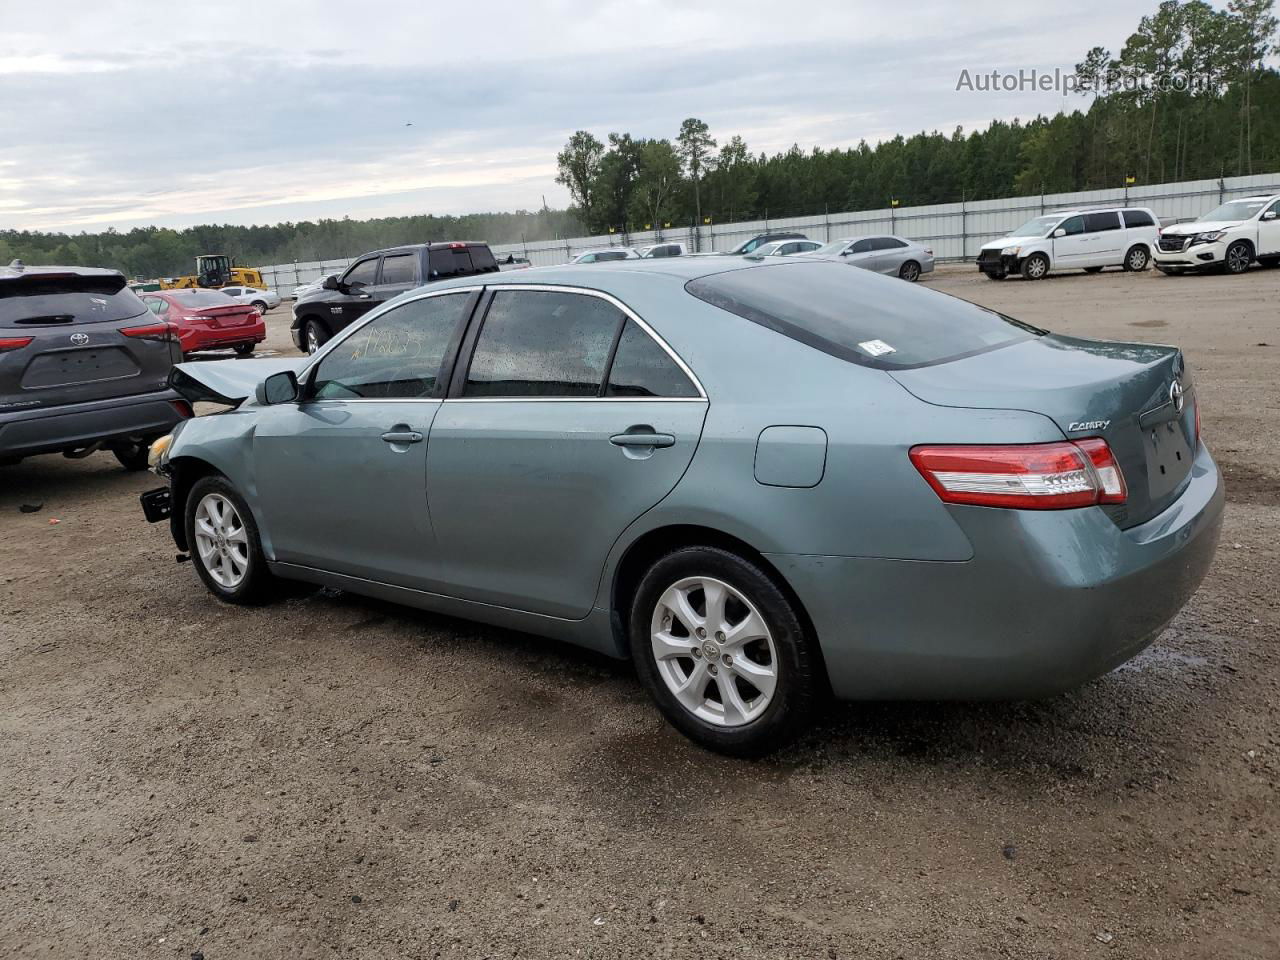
[(208, 319)]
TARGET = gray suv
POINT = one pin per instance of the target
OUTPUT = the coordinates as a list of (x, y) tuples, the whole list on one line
[(84, 366)]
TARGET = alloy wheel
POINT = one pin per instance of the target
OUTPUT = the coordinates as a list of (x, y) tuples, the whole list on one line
[(222, 541), (910, 271), (1238, 258), (313, 338), (1138, 259), (714, 651)]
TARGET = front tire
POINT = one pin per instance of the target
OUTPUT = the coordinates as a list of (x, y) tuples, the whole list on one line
[(1035, 267), (1137, 259), (723, 652), (225, 547), (314, 335), (1239, 257), (909, 271)]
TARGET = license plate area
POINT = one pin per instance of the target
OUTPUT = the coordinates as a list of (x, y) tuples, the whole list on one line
[(1169, 458), (157, 504), (66, 367)]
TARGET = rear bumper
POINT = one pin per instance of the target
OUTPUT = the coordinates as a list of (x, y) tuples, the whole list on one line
[(1051, 600), (193, 339), (25, 433)]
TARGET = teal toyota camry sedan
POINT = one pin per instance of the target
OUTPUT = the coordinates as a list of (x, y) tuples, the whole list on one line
[(765, 483)]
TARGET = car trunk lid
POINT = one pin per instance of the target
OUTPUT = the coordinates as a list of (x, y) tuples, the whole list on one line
[(79, 337), (1122, 392), (221, 318)]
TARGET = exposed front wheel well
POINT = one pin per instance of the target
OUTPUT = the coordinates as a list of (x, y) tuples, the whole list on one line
[(184, 472), (655, 544)]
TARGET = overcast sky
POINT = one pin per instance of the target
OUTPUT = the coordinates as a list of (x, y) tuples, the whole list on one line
[(267, 111)]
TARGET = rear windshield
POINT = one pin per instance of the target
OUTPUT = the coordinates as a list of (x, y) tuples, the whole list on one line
[(482, 258), (448, 262), (44, 300), (856, 316), (204, 298)]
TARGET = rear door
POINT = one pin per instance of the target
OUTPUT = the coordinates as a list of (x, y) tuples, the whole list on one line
[(569, 422), (398, 274), (342, 474), (1104, 240), (69, 338), (891, 253)]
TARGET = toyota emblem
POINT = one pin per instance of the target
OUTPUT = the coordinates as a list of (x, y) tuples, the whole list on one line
[(79, 339), (1176, 396)]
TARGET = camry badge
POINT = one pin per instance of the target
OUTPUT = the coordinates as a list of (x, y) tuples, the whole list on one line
[(79, 339)]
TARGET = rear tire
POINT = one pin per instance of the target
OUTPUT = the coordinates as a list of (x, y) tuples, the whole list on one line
[(909, 271), (1035, 267), (1137, 259), (132, 456), (743, 697), (244, 349), (225, 547), (314, 335)]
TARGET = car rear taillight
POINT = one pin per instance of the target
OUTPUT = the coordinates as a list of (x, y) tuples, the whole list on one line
[(1042, 476), (152, 331), (182, 408), (13, 343)]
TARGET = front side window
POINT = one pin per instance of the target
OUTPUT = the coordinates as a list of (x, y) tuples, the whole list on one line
[(365, 272), (1072, 225), (862, 246), (399, 269), (641, 368), (1099, 222), (1274, 208), (540, 343), (396, 356)]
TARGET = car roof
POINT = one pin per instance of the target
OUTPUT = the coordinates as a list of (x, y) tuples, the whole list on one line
[(18, 269), (429, 245)]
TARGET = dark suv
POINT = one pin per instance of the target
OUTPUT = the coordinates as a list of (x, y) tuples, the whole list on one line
[(377, 277), (84, 365)]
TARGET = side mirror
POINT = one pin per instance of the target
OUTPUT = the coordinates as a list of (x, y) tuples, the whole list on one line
[(845, 253), (1059, 232), (331, 283), (1270, 215), (280, 387)]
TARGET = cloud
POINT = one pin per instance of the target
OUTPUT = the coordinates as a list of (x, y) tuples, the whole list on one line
[(271, 112)]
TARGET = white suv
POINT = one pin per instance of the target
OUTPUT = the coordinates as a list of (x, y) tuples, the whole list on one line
[(1086, 240), (1231, 238)]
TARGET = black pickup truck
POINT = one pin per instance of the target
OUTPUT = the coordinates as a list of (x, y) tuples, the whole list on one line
[(377, 277)]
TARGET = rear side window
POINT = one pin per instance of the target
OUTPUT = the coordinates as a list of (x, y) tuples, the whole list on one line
[(395, 357), (1138, 218), (539, 343), (608, 255), (398, 269), (45, 300), (641, 368), (888, 243), (1096, 222), (448, 262), (853, 315)]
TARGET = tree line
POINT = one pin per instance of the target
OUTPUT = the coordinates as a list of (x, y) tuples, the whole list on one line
[(1224, 121)]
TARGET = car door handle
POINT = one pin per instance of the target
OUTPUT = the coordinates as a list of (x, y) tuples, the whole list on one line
[(645, 439), (402, 436)]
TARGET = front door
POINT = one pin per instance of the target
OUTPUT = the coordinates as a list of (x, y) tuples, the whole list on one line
[(342, 474), (357, 295), (863, 254), (547, 449), (1269, 231), (1074, 249)]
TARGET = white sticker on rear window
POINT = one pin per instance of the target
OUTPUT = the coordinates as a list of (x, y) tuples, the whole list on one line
[(876, 347)]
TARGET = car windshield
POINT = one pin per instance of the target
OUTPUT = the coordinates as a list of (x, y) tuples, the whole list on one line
[(833, 248), (1235, 210), (853, 315), (1038, 227), (203, 298), (764, 250)]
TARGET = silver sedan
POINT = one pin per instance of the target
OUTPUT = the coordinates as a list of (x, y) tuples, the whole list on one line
[(783, 248), (883, 253)]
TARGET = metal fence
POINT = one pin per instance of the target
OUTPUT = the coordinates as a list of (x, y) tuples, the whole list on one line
[(955, 230)]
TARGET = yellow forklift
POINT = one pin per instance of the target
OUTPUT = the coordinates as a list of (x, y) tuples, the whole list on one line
[(215, 270)]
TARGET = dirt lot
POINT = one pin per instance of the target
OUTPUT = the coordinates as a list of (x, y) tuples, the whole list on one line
[(335, 776)]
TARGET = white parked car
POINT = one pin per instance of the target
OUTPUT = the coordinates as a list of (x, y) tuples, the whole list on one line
[(663, 250), (1088, 240), (783, 248), (309, 287), (264, 300), (608, 253), (1229, 238)]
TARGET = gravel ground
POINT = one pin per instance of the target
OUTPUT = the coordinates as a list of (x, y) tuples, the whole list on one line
[(335, 776)]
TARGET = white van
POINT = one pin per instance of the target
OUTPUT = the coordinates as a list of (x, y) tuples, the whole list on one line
[(1086, 240)]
